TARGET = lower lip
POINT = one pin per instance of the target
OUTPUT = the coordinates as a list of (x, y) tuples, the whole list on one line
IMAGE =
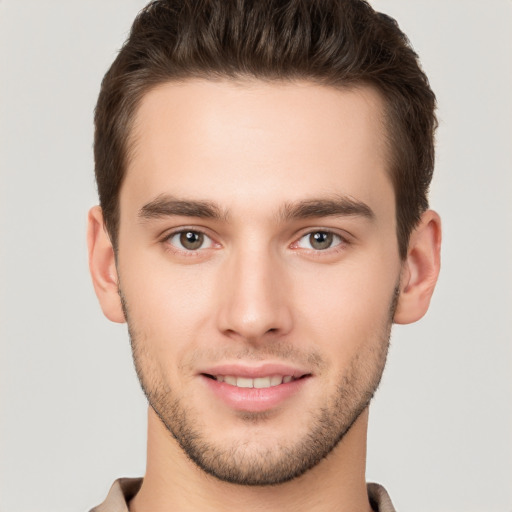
[(254, 399)]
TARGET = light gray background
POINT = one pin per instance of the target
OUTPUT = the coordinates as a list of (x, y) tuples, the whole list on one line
[(72, 415)]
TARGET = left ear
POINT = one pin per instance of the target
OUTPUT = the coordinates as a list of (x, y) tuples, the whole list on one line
[(420, 269)]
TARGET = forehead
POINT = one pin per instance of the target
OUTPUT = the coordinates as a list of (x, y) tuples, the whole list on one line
[(253, 140)]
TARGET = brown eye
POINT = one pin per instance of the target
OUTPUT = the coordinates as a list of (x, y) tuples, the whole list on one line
[(320, 240), (191, 240)]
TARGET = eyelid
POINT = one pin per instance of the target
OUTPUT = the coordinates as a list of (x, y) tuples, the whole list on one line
[(344, 238), (168, 235)]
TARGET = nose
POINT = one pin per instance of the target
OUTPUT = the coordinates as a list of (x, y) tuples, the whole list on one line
[(254, 300)]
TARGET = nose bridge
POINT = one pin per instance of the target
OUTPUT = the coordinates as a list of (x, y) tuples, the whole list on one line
[(254, 302)]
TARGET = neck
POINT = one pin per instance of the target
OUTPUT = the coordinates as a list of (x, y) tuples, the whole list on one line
[(173, 482)]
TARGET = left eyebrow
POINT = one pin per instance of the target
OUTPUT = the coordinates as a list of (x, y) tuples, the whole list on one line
[(338, 206)]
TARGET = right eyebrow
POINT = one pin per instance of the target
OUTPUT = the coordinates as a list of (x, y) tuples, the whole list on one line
[(168, 206)]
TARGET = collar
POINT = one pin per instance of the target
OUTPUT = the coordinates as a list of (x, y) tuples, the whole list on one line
[(124, 489)]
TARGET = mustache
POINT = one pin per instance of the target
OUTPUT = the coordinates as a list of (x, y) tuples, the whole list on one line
[(278, 351)]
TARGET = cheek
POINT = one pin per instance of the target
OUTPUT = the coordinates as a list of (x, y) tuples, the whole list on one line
[(347, 305), (168, 306)]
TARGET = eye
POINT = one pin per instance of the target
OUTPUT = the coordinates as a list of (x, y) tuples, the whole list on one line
[(190, 240), (319, 240)]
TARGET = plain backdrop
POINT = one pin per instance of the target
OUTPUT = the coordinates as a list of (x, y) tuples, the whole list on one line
[(72, 414)]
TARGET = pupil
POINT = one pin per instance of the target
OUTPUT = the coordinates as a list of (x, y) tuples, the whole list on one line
[(191, 240), (320, 240)]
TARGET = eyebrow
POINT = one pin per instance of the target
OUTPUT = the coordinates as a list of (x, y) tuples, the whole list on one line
[(168, 206), (336, 206)]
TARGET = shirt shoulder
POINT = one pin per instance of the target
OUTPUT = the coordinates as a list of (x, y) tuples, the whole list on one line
[(121, 492), (379, 498)]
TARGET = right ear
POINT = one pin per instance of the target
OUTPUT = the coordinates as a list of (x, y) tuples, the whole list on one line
[(102, 265)]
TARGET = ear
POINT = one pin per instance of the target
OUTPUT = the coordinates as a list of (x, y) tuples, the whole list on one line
[(102, 265), (420, 269)]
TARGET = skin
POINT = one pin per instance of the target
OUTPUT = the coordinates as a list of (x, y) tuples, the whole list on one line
[(256, 291)]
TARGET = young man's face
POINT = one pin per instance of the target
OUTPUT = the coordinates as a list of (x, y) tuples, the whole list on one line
[(257, 244)]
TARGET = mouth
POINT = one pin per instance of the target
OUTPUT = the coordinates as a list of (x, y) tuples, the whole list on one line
[(255, 389), (269, 381)]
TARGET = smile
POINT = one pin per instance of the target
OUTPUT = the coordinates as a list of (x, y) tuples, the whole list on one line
[(251, 389), (258, 382)]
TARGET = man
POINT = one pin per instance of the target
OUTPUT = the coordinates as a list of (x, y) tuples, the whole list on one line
[(263, 170)]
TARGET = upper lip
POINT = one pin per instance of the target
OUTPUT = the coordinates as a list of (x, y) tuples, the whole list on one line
[(254, 372)]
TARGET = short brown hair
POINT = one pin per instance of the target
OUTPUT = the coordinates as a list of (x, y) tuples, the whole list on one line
[(340, 43)]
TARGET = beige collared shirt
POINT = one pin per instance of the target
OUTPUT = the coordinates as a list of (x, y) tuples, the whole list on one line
[(124, 489)]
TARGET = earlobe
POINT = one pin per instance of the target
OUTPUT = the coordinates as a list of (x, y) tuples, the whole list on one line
[(102, 265), (420, 269)]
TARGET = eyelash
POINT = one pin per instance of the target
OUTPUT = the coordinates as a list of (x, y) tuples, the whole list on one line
[(341, 244), (338, 242), (166, 240)]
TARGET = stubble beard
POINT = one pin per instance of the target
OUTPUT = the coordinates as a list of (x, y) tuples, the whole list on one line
[(242, 464)]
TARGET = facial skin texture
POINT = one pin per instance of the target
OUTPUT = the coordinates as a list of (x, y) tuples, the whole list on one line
[(255, 169), (258, 458)]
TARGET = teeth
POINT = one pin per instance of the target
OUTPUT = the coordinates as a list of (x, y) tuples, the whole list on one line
[(242, 382), (262, 382), (275, 381), (259, 382)]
